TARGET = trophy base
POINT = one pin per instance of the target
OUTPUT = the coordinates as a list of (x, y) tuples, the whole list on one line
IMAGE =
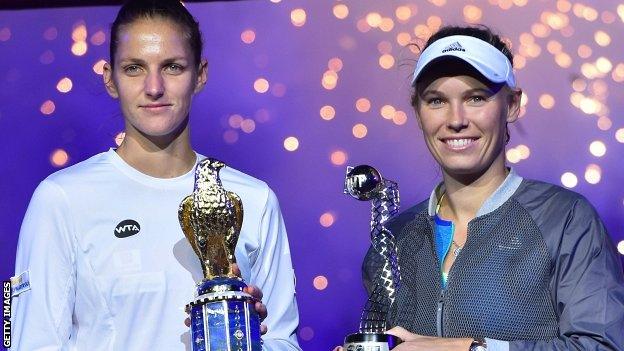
[(223, 317), (370, 342)]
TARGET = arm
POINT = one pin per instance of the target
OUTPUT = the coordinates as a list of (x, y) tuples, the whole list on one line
[(42, 316), (272, 272), (588, 291)]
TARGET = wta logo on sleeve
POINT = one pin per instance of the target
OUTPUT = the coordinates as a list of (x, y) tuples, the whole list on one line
[(20, 284)]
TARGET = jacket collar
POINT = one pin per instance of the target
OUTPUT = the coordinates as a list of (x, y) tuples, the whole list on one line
[(504, 191)]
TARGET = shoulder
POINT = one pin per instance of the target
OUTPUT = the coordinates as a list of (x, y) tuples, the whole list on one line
[(252, 190), (539, 197), (407, 216), (83, 171), (566, 220)]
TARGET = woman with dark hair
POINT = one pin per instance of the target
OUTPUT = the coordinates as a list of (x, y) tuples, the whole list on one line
[(102, 263), (494, 261)]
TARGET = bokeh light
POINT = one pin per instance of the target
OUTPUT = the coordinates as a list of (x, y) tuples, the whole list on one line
[(79, 48), (59, 158), (569, 180), (547, 101), (334, 64), (472, 14), (620, 247), (248, 125), (306, 333), (235, 121), (386, 61), (327, 112), (604, 123), (338, 157), (261, 85), (248, 36), (523, 151), (593, 174), (341, 11), (386, 25), (513, 155), (119, 138), (5, 34), (329, 80), (98, 38), (230, 136), (399, 118), (359, 130), (48, 107), (387, 111), (47, 57), (327, 219), (298, 17), (320, 282), (403, 13), (619, 135), (373, 19), (597, 148), (98, 67), (362, 105), (50, 33), (602, 38), (291, 143), (64, 85), (403, 38), (278, 90)]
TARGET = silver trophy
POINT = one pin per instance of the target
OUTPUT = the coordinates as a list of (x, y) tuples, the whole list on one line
[(365, 183)]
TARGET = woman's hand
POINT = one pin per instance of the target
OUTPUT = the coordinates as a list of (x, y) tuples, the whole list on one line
[(256, 293), (415, 342)]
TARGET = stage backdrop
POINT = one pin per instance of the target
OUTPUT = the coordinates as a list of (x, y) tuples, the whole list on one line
[(298, 90)]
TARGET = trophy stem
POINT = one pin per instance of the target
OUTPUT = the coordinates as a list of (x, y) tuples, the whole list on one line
[(383, 208)]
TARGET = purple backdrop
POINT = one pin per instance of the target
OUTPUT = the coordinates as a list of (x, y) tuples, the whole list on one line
[(344, 61)]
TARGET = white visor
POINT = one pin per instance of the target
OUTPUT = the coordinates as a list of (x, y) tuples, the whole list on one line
[(485, 58)]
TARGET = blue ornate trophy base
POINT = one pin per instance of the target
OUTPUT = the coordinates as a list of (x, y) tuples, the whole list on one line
[(370, 342), (223, 317)]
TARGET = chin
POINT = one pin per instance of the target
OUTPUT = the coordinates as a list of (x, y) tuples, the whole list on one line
[(464, 170)]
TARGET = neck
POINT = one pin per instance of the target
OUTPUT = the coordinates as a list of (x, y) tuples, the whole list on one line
[(160, 157), (466, 194)]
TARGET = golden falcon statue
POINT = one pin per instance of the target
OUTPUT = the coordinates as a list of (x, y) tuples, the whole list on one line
[(211, 219)]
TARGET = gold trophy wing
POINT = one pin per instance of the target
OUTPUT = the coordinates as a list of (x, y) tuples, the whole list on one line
[(234, 232), (184, 216)]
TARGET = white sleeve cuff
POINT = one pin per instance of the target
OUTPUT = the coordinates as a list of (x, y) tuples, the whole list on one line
[(497, 345)]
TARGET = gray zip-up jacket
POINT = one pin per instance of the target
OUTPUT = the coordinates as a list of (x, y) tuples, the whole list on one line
[(538, 272)]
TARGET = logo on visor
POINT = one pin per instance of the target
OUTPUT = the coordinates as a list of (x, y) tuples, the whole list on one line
[(456, 46)]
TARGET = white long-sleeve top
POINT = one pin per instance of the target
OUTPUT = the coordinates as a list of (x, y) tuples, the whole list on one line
[(90, 285)]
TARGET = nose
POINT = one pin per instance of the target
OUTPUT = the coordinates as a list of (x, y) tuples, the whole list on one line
[(457, 119), (154, 85)]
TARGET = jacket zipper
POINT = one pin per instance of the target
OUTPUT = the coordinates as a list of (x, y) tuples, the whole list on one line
[(439, 314)]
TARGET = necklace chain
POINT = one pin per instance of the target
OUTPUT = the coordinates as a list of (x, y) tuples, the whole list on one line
[(458, 248)]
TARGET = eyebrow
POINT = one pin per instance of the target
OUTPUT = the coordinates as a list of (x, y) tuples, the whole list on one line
[(143, 62), (467, 92)]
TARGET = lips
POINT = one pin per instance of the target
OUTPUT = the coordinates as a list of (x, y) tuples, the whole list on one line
[(155, 108), (459, 143)]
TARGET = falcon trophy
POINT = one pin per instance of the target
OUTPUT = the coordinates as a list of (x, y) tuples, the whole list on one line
[(365, 183), (223, 317)]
